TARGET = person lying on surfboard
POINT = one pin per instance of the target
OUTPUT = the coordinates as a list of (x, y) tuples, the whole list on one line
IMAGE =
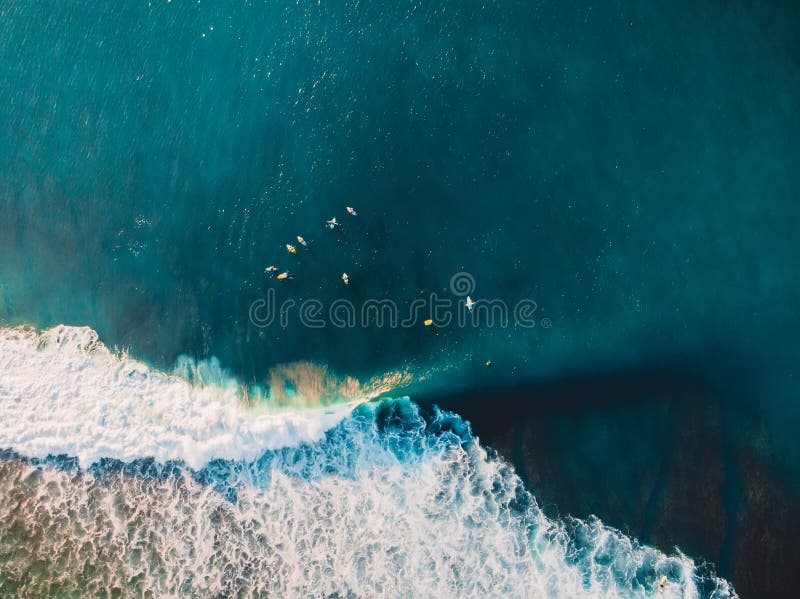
[(352, 211)]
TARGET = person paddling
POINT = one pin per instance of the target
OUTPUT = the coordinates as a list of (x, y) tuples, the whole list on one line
[(352, 211), (284, 276), (662, 583), (291, 249), (470, 304), (302, 241), (331, 224), (345, 278)]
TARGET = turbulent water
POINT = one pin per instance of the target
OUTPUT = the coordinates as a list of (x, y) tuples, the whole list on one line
[(64, 393), (127, 480)]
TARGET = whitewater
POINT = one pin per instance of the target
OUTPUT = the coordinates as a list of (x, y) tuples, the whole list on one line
[(117, 478), (64, 393)]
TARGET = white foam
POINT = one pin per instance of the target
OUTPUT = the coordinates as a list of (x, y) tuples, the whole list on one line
[(367, 512), (62, 392)]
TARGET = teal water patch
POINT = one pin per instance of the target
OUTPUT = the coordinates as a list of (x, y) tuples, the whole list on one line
[(628, 168)]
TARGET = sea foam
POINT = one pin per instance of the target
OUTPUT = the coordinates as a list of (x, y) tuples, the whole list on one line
[(62, 392), (389, 503)]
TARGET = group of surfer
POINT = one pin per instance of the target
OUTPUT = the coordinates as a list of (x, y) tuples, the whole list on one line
[(333, 224), (292, 249)]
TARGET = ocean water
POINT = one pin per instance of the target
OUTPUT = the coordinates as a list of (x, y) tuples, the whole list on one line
[(630, 169)]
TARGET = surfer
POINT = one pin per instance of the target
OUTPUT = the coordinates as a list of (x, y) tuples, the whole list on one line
[(352, 211), (270, 269), (331, 224), (291, 249), (302, 241), (345, 278), (662, 583), (284, 276), (470, 304)]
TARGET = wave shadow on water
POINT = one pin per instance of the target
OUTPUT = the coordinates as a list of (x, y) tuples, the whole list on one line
[(658, 450)]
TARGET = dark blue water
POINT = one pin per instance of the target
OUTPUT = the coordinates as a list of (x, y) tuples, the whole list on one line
[(631, 167)]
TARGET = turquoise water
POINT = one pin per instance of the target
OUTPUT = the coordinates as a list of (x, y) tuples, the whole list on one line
[(631, 167)]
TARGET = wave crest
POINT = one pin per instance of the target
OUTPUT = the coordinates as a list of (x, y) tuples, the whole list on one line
[(62, 392)]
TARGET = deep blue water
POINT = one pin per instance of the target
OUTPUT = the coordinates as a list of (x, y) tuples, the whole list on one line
[(632, 167)]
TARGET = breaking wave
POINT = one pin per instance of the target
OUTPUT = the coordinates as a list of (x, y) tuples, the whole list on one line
[(62, 392), (182, 489)]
